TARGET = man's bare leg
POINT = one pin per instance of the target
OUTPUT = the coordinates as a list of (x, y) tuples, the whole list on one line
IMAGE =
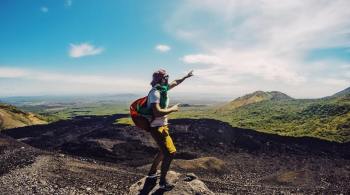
[(165, 167), (156, 161)]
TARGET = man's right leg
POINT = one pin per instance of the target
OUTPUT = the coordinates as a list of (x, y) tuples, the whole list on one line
[(156, 161), (169, 154), (168, 157)]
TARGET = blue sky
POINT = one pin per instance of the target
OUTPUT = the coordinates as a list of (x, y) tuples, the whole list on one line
[(126, 30), (53, 47)]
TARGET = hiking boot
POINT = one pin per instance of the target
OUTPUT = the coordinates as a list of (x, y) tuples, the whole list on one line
[(166, 186), (153, 176)]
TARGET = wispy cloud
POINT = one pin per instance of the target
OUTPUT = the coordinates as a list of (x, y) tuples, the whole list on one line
[(68, 3), (84, 49), (44, 9), (263, 41), (162, 48)]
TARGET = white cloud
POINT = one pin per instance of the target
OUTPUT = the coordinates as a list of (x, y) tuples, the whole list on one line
[(68, 3), (232, 64), (44, 9), (202, 58), (70, 83), (347, 74), (11, 72), (162, 48), (263, 43), (84, 49)]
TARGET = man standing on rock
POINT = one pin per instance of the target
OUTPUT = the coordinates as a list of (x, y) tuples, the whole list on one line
[(158, 101)]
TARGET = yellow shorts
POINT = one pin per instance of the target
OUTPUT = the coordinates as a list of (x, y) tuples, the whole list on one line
[(163, 139)]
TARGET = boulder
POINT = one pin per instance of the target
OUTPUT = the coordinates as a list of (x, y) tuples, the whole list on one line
[(185, 184)]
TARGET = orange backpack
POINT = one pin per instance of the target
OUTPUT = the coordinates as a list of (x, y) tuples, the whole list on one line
[(138, 112)]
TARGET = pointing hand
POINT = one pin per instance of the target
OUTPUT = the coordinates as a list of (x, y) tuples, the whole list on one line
[(189, 74)]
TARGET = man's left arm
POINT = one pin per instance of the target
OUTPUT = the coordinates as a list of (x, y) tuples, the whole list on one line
[(178, 81)]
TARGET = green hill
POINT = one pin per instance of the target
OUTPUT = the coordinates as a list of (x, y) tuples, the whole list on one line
[(12, 117), (326, 118), (344, 92), (277, 113), (257, 96)]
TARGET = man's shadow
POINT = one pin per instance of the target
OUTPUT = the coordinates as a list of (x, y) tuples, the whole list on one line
[(148, 187)]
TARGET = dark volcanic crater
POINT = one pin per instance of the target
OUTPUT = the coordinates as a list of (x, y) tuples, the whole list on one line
[(254, 162)]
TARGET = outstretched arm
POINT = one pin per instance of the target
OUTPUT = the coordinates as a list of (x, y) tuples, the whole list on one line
[(178, 81)]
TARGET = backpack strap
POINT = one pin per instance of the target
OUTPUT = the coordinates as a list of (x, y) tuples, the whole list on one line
[(153, 117)]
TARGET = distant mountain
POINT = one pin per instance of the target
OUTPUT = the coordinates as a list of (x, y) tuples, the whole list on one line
[(12, 117), (342, 93), (255, 97)]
